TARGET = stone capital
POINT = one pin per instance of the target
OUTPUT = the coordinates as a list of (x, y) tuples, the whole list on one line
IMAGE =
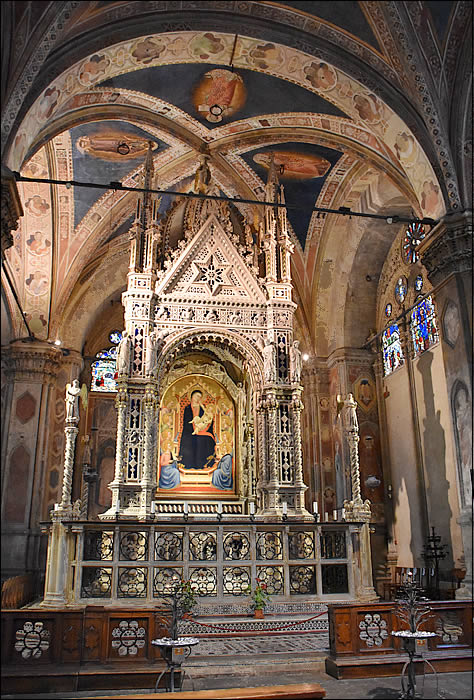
[(32, 361), (448, 247)]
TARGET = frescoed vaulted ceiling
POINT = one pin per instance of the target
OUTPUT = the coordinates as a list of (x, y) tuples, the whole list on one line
[(317, 84)]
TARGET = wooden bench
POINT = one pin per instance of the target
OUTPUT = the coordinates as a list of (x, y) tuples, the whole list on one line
[(295, 691)]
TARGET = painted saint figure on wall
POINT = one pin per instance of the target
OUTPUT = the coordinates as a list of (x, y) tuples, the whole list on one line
[(198, 442)]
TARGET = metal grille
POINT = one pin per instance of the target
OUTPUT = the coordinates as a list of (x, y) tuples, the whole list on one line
[(273, 577), (96, 582), (236, 545), (301, 545), (132, 582), (333, 545), (334, 578), (202, 546), (302, 580), (236, 580), (169, 546), (205, 580), (269, 545), (165, 580), (98, 546), (133, 546)]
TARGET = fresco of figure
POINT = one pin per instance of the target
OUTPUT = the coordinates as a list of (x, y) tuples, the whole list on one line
[(198, 442)]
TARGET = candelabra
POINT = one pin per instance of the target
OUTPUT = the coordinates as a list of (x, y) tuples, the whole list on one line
[(433, 553)]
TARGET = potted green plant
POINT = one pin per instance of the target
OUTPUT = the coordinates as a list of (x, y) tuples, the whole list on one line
[(260, 597), (181, 601)]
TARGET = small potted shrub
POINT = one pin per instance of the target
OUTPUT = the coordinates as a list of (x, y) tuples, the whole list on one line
[(259, 597)]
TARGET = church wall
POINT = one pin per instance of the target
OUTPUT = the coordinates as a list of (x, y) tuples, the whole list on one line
[(438, 450), (408, 520), (19, 474)]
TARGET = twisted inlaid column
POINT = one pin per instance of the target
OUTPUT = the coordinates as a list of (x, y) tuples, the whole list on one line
[(356, 509), (271, 408), (297, 407), (70, 431)]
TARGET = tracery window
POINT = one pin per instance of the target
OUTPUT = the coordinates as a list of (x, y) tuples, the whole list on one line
[(423, 326), (104, 369), (391, 349)]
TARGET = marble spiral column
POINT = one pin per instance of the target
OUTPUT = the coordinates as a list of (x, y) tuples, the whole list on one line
[(358, 510)]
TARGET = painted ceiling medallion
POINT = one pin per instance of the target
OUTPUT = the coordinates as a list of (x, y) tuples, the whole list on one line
[(293, 165), (113, 145), (220, 94)]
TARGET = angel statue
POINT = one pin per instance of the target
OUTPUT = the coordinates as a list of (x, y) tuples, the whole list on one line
[(73, 392), (123, 354)]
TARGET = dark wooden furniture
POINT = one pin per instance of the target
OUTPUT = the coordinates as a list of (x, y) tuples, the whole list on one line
[(294, 691), (361, 642)]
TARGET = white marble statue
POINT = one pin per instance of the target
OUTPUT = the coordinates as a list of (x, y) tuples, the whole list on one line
[(350, 414), (73, 391), (295, 361), (269, 360), (151, 353), (123, 354)]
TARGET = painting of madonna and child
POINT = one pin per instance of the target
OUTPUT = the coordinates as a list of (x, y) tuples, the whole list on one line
[(197, 438)]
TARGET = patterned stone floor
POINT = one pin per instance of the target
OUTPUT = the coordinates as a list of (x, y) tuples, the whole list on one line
[(252, 646)]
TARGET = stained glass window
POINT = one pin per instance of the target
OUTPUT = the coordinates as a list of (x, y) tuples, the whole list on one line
[(401, 289), (388, 310), (104, 370), (413, 237), (418, 283), (424, 330), (392, 349)]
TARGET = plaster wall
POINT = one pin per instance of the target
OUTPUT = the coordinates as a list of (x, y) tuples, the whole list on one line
[(407, 511), (438, 450)]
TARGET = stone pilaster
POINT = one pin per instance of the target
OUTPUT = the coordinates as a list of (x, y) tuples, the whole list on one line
[(30, 369)]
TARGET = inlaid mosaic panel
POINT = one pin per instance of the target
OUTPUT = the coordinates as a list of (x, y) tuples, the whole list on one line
[(235, 580), (269, 545), (98, 545), (272, 577), (302, 580), (96, 582), (236, 545), (133, 546), (165, 580), (202, 546), (301, 545), (132, 582), (205, 579), (169, 546)]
